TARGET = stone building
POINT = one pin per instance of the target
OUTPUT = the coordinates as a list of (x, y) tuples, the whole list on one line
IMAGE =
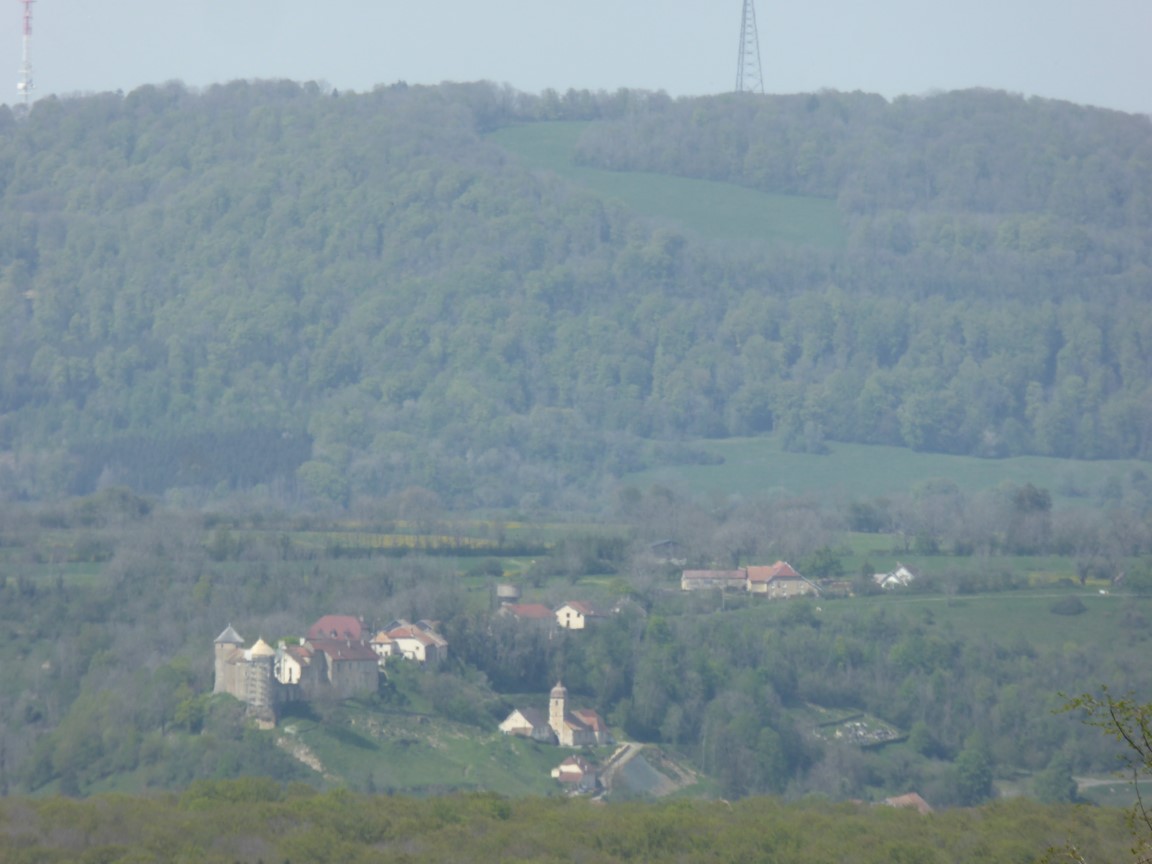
[(264, 678), (580, 727)]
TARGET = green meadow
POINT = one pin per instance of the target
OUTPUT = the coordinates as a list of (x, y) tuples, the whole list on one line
[(1004, 618), (761, 467), (711, 210), (367, 749)]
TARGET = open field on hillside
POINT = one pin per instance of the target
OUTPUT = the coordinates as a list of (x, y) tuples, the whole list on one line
[(421, 754), (1004, 618), (715, 211), (761, 467)]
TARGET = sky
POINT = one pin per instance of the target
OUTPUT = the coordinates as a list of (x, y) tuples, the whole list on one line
[(1093, 52)]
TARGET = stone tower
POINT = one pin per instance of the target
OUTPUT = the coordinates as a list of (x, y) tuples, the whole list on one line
[(258, 681), (228, 644)]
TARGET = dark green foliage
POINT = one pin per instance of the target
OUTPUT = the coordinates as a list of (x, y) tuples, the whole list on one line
[(252, 820), (1055, 784), (1070, 605), (336, 298)]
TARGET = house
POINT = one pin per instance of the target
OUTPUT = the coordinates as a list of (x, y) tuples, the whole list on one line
[(575, 615), (779, 581), (576, 774), (419, 642), (901, 577), (383, 645), (706, 580), (582, 727), (537, 612), (911, 801), (348, 668), (529, 723)]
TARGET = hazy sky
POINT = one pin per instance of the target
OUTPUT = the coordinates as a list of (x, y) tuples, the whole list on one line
[(1089, 51)]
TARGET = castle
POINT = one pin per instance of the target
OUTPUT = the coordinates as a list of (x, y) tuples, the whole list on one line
[(332, 662)]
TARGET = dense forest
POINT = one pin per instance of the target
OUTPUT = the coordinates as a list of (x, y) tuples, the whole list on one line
[(332, 296), (255, 820)]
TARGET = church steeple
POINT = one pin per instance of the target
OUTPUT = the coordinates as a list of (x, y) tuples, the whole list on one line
[(557, 709)]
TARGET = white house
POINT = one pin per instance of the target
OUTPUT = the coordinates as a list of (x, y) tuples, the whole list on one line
[(419, 642), (528, 723), (575, 615), (898, 578)]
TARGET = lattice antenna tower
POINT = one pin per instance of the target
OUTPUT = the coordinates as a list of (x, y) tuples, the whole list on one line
[(24, 85), (748, 76)]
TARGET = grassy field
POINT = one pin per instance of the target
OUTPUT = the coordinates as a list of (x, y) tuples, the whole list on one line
[(1003, 618), (761, 467), (714, 211), (417, 754)]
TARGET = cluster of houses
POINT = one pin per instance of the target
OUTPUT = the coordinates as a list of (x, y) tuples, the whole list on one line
[(566, 727), (777, 581), (781, 580), (335, 660)]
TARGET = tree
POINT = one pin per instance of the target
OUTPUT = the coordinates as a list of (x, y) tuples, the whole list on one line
[(973, 776), (1130, 723), (1055, 784)]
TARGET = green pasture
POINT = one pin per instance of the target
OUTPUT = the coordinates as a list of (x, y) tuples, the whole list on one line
[(714, 211), (1006, 618), (760, 467), (414, 755)]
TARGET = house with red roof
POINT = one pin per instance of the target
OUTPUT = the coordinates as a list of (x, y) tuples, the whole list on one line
[(536, 612), (576, 774), (420, 642)]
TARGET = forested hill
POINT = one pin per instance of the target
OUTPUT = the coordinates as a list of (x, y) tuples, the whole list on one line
[(354, 293)]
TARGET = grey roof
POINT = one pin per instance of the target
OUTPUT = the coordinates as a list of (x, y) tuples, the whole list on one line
[(229, 637)]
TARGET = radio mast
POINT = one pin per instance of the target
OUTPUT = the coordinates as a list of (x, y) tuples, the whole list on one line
[(24, 85), (748, 76)]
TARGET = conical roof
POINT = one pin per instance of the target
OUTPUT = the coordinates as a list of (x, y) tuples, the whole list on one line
[(558, 691), (261, 649), (229, 637)]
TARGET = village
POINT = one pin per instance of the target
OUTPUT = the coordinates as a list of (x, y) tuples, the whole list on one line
[(341, 657)]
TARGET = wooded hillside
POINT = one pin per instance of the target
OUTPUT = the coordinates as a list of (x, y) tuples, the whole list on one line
[(339, 295)]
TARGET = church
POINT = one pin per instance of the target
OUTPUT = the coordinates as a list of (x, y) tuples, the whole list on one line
[(579, 727)]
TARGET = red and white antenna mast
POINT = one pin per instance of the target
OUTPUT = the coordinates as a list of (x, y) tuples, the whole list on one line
[(24, 85)]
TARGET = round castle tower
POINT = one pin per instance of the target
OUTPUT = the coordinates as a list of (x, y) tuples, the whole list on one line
[(228, 645), (258, 681)]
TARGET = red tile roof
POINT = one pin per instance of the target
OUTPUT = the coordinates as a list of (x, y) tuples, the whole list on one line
[(779, 570), (337, 627), (343, 650), (535, 611)]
